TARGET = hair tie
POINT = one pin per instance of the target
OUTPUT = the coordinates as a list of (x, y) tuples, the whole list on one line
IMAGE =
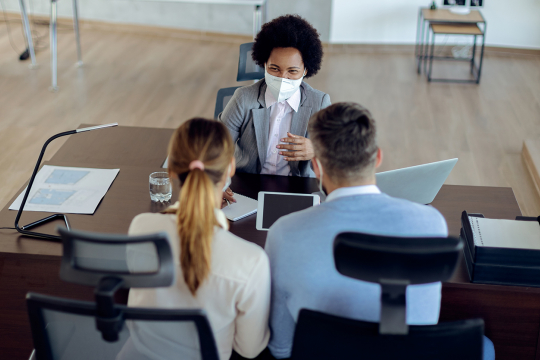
[(196, 164)]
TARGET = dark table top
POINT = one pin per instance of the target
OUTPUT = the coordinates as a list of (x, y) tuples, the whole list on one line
[(141, 151)]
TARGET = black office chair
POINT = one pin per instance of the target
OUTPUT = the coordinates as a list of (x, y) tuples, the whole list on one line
[(247, 68), (222, 99), (394, 263), (65, 329)]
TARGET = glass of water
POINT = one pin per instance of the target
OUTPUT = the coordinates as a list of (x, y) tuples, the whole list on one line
[(160, 187)]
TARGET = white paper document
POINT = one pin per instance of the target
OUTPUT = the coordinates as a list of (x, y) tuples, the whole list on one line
[(243, 207), (67, 190), (505, 233)]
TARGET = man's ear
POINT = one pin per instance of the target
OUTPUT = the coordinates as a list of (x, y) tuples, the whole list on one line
[(379, 159), (316, 169)]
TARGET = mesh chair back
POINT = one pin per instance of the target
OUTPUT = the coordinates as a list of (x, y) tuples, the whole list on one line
[(223, 97), (140, 261), (65, 330), (322, 336), (247, 68)]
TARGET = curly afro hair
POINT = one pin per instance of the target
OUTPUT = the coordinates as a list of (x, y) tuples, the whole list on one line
[(289, 31)]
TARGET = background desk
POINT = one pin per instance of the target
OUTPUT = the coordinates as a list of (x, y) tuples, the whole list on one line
[(450, 20), (512, 314)]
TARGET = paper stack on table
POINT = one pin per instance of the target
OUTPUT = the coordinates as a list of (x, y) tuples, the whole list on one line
[(243, 207), (63, 189), (505, 233)]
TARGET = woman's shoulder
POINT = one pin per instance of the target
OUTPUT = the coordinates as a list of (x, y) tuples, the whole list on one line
[(227, 239), (236, 258), (315, 97), (250, 93), (313, 92), (148, 223)]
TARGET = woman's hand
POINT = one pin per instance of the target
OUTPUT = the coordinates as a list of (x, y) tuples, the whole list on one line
[(228, 197), (300, 148)]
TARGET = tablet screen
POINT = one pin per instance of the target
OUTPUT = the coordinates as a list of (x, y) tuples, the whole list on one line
[(276, 206)]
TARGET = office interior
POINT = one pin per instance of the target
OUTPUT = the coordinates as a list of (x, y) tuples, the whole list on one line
[(155, 64)]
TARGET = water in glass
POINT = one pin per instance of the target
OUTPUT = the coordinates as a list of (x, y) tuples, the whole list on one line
[(160, 187)]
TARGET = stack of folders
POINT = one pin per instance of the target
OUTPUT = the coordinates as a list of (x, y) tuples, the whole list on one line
[(502, 252), (242, 208)]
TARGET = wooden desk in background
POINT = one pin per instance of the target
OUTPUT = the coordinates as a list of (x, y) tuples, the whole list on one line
[(443, 21), (511, 314)]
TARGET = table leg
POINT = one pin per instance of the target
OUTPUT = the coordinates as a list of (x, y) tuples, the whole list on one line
[(28, 34), (481, 56), (417, 43), (53, 46), (257, 16), (431, 55), (422, 46), (426, 46), (473, 54), (426, 49), (265, 13), (76, 28)]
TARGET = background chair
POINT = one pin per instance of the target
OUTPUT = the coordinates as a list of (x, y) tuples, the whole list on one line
[(247, 69), (222, 99), (394, 263), (70, 329)]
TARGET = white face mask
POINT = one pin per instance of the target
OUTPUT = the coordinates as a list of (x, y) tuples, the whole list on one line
[(229, 180), (281, 88), (320, 177)]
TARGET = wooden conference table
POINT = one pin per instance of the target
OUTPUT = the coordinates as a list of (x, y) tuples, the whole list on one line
[(511, 313)]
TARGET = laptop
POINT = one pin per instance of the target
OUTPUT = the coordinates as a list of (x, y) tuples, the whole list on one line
[(419, 183)]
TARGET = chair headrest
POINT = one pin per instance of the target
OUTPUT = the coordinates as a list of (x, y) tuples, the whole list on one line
[(377, 258), (395, 263)]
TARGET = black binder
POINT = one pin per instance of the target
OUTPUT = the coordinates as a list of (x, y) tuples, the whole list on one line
[(500, 266)]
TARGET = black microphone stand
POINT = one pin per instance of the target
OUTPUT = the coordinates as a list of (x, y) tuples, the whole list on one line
[(24, 229)]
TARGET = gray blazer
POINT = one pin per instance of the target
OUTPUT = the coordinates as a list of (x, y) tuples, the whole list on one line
[(248, 121)]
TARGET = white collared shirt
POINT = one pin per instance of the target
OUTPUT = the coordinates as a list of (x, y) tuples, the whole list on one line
[(281, 114), (353, 190)]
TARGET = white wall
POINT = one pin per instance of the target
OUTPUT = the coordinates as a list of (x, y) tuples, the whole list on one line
[(513, 23), (233, 19)]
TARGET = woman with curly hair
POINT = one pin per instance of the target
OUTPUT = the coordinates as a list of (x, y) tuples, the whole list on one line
[(268, 120)]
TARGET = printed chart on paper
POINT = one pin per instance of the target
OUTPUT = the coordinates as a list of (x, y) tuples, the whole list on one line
[(67, 190)]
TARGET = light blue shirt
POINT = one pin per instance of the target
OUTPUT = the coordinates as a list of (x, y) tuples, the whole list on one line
[(300, 249)]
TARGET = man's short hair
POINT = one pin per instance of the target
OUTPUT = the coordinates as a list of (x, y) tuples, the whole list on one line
[(344, 139)]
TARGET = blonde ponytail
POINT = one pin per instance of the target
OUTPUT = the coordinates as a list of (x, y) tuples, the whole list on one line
[(196, 221), (208, 144)]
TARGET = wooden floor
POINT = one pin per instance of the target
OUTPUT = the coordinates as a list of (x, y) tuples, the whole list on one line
[(157, 81)]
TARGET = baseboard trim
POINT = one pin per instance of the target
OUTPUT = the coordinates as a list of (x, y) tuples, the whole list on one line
[(370, 48), (511, 51), (186, 34), (145, 30), (410, 48)]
